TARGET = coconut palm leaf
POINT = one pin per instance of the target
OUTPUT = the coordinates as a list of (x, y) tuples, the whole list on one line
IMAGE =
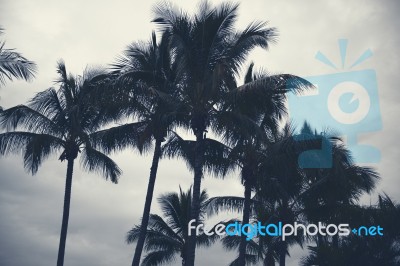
[(14, 65)]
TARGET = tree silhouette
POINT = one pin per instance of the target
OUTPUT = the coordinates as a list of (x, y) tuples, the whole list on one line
[(267, 93), (59, 121), (167, 236), (363, 250), (144, 80), (209, 53)]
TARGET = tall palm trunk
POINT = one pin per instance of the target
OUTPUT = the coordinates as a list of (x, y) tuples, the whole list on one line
[(282, 254), (147, 205), (283, 244), (245, 220), (184, 251), (198, 174), (67, 201)]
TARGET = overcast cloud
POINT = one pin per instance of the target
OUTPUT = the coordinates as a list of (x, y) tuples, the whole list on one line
[(95, 32)]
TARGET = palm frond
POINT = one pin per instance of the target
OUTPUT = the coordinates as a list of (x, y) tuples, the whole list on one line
[(177, 147), (159, 257), (155, 240), (121, 137), (49, 104), (158, 224), (14, 142), (255, 35), (204, 240), (13, 64), (93, 160), (158, 241), (224, 203), (214, 159), (26, 118), (280, 83), (233, 242), (234, 125), (175, 209), (38, 148)]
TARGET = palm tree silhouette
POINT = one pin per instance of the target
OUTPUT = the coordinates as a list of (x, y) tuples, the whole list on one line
[(363, 250), (285, 192), (13, 64), (267, 95), (209, 53), (167, 237), (59, 121), (319, 194), (143, 84), (337, 188), (276, 182)]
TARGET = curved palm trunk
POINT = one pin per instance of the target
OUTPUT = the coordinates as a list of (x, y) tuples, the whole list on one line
[(147, 205), (195, 210), (245, 220), (67, 201)]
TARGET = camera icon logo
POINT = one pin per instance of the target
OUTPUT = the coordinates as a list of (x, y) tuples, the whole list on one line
[(347, 102)]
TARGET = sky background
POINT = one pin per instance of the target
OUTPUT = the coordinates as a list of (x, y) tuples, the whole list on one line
[(95, 33)]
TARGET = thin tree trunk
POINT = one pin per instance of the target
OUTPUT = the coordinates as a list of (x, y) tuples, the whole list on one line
[(147, 204), (245, 220), (195, 210), (283, 244), (67, 201), (282, 254), (335, 241)]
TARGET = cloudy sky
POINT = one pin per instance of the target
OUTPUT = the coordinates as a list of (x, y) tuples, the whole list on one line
[(94, 33)]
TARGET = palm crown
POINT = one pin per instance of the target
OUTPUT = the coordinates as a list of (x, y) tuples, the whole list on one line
[(167, 236), (58, 121)]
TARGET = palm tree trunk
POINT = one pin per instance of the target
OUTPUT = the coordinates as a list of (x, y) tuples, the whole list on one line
[(198, 174), (245, 220), (67, 201), (282, 254), (147, 204), (283, 244), (335, 241)]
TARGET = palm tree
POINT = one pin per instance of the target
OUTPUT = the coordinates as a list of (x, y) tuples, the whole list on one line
[(144, 82), (167, 237), (13, 64), (363, 250), (337, 188), (273, 174), (209, 53), (249, 148), (59, 121), (321, 193), (288, 190)]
